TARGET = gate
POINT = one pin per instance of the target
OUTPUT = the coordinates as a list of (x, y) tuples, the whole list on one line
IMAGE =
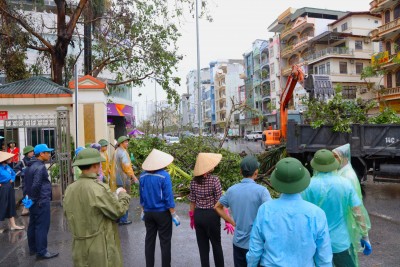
[(53, 130)]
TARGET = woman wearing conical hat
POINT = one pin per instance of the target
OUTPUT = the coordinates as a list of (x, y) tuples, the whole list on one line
[(205, 191)]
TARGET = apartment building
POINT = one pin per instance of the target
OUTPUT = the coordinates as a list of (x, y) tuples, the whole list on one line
[(343, 51), (388, 35), (275, 81), (296, 27), (257, 85), (226, 84)]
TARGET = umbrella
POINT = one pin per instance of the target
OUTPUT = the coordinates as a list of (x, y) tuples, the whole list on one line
[(135, 132)]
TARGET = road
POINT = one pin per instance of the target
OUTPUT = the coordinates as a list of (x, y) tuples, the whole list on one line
[(381, 200), (237, 146)]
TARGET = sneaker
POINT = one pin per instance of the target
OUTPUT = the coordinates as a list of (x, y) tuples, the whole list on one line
[(47, 255)]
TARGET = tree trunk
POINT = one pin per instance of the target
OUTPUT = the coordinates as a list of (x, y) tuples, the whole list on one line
[(57, 64)]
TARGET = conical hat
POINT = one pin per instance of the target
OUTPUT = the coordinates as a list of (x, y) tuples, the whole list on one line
[(205, 162), (5, 156), (157, 160)]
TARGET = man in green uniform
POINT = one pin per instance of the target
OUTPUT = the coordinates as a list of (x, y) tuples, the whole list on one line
[(92, 210)]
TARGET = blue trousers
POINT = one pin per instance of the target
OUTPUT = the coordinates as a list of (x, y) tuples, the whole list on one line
[(124, 218), (39, 224)]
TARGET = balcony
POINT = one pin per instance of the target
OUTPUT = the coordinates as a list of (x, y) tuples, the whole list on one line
[(389, 27), (390, 93), (301, 42), (377, 6), (328, 52), (375, 35), (286, 71), (286, 31), (287, 50)]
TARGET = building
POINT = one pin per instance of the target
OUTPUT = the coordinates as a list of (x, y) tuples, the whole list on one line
[(226, 74), (388, 35), (343, 51), (257, 78), (275, 81), (295, 28)]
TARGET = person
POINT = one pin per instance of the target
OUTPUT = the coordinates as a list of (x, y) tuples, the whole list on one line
[(91, 210), (338, 198), (21, 167), (13, 149), (157, 201), (290, 231), (243, 199), (38, 188), (100, 175), (343, 156), (77, 171), (122, 172), (205, 191), (106, 164), (7, 194)]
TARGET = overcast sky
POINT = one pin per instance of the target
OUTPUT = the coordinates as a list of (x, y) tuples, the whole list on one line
[(236, 24)]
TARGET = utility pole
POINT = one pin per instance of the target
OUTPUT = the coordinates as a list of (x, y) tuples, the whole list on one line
[(198, 68), (155, 106)]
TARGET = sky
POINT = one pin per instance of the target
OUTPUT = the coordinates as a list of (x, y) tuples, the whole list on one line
[(236, 24)]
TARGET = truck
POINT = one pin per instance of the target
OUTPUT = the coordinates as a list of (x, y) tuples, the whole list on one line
[(375, 149)]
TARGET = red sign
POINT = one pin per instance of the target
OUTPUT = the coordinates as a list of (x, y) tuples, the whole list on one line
[(3, 115)]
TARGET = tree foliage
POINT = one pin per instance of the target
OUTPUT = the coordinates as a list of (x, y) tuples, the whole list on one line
[(132, 39)]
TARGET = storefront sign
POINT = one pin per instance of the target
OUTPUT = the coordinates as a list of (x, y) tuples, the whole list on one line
[(3, 115), (380, 58), (119, 110)]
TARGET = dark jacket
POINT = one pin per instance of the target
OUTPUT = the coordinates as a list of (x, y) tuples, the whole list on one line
[(20, 167), (37, 183)]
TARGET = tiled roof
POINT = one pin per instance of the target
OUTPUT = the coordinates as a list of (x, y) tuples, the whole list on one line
[(34, 85)]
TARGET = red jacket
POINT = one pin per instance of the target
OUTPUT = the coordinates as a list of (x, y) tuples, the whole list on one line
[(15, 151)]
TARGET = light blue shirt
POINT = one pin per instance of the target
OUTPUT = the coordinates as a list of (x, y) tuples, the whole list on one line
[(290, 232), (244, 199), (6, 174), (336, 196)]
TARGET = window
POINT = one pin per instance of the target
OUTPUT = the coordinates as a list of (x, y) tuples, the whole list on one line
[(397, 45), (273, 86), (396, 12), (349, 92), (359, 68), (315, 70), (322, 69), (343, 67), (388, 47), (271, 52), (334, 30), (344, 27), (389, 83), (328, 68), (398, 78), (359, 45), (387, 16), (272, 67)]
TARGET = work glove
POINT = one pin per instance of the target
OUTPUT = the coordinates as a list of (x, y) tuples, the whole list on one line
[(27, 202), (228, 226), (175, 219), (142, 215), (191, 215), (366, 245)]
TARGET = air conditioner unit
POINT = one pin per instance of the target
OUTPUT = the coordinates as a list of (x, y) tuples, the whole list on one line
[(351, 61), (363, 90)]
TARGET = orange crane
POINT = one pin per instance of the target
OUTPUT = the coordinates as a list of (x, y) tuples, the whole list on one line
[(273, 137)]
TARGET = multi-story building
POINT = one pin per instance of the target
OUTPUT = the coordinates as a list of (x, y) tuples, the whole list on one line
[(389, 37), (343, 51), (275, 81), (295, 29), (257, 85), (226, 78)]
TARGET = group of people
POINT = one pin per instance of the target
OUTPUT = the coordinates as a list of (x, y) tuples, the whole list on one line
[(316, 221)]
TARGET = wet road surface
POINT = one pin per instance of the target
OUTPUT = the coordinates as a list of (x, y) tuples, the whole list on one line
[(382, 202)]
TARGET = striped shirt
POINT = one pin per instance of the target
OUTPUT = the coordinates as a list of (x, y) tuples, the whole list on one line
[(205, 194)]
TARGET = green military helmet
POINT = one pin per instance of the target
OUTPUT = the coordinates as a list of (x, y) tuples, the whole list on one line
[(324, 161), (122, 139), (27, 149), (88, 156), (87, 145), (290, 176), (103, 142)]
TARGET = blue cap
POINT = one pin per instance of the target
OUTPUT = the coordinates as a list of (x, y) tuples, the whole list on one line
[(78, 149), (40, 148)]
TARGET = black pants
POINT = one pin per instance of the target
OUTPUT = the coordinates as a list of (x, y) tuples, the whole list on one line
[(239, 256), (160, 222), (345, 258), (39, 224), (208, 229)]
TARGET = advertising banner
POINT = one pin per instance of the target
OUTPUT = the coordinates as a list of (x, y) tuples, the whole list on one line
[(119, 110)]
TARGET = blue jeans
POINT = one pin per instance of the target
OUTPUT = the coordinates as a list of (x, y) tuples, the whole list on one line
[(124, 218), (39, 224)]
